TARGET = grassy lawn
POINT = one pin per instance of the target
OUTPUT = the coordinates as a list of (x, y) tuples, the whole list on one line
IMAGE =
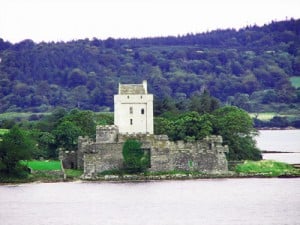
[(50, 165), (267, 116), (43, 165), (22, 115), (266, 167), (3, 131), (295, 81), (263, 116)]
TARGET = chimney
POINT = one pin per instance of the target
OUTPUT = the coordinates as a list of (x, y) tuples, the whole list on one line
[(145, 86)]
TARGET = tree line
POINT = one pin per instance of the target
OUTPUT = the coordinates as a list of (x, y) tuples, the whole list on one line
[(249, 68)]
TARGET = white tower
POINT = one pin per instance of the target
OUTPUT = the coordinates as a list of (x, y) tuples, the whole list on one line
[(134, 109)]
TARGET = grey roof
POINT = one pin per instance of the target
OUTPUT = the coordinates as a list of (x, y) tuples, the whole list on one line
[(132, 89)]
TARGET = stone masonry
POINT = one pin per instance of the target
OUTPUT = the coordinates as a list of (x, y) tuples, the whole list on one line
[(207, 155)]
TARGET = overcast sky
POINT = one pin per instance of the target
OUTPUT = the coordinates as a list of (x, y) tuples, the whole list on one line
[(63, 20)]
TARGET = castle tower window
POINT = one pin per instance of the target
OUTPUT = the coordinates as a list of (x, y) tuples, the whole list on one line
[(142, 111), (131, 121), (131, 110)]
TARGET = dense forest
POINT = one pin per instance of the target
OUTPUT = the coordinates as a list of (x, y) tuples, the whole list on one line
[(249, 68)]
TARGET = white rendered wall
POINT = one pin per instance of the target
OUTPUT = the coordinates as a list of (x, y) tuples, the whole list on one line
[(128, 114)]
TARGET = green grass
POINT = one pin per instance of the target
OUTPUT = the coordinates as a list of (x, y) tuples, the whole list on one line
[(267, 116), (3, 131), (263, 116), (295, 81), (43, 165), (266, 168), (72, 174), (22, 115)]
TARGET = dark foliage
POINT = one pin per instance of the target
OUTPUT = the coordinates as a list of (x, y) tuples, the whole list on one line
[(14, 146), (135, 159), (248, 68)]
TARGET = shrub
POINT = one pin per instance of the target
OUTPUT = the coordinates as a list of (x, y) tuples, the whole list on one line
[(135, 159)]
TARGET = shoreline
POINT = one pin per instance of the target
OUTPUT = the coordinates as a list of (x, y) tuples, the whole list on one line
[(277, 152), (150, 178), (276, 128)]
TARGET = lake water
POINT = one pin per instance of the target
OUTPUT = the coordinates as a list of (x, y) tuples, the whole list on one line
[(280, 140), (193, 202)]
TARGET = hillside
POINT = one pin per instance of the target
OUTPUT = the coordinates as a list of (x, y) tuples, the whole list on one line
[(250, 68)]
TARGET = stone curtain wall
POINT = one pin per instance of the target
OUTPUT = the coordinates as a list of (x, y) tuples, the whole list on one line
[(103, 157), (207, 155)]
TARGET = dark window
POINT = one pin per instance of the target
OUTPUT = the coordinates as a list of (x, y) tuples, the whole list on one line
[(130, 110), (130, 121), (142, 111)]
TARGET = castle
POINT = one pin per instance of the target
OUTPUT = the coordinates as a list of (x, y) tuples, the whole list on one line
[(133, 118)]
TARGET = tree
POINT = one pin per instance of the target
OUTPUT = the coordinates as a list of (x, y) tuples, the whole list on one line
[(135, 159), (84, 120), (278, 121), (242, 101), (105, 118), (162, 125), (78, 96), (66, 135), (77, 77), (191, 126), (204, 103), (45, 144), (236, 128), (15, 146)]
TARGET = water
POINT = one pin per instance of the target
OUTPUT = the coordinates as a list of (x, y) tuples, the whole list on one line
[(280, 140), (209, 202)]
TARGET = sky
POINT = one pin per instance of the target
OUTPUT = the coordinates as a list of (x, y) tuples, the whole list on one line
[(64, 20)]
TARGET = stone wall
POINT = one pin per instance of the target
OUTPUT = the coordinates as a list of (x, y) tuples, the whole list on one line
[(102, 157), (106, 134), (207, 155)]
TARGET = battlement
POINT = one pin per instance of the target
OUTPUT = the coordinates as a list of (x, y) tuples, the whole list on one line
[(106, 127), (83, 141), (106, 134), (139, 136)]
